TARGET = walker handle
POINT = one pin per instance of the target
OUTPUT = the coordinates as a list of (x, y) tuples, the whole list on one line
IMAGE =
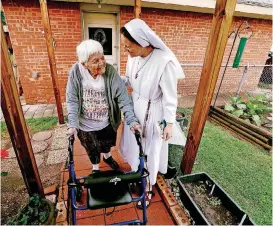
[(138, 140), (71, 140), (138, 137)]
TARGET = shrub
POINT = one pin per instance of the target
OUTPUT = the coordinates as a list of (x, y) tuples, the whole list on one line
[(35, 212)]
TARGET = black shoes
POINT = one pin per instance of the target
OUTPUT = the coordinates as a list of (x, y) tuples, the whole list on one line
[(95, 171), (171, 172), (111, 162)]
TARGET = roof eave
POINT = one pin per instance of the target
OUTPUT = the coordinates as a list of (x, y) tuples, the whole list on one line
[(200, 6)]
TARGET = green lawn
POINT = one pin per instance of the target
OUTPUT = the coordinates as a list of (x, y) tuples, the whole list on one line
[(34, 124), (243, 170)]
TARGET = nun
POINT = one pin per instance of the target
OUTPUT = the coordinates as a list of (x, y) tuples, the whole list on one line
[(152, 70)]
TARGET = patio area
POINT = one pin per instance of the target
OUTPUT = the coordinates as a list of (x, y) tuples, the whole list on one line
[(164, 209)]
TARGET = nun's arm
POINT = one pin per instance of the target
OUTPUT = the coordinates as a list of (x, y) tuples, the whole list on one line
[(168, 84)]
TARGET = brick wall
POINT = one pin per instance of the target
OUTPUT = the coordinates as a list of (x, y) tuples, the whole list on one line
[(186, 33), (25, 27)]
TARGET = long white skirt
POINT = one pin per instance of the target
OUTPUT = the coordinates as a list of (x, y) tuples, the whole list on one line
[(153, 145)]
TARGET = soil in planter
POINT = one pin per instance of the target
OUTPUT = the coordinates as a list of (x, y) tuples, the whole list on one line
[(211, 206)]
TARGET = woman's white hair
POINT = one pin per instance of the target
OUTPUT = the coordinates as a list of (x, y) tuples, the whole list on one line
[(87, 48)]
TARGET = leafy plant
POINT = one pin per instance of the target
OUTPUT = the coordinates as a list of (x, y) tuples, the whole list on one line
[(252, 109), (35, 212)]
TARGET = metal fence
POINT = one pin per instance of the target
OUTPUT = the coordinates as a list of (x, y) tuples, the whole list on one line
[(247, 79), (243, 80)]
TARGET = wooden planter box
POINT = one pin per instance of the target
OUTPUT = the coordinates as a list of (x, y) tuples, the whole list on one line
[(246, 130), (238, 215)]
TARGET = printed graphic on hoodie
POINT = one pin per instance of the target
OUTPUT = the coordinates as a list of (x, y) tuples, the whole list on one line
[(95, 105)]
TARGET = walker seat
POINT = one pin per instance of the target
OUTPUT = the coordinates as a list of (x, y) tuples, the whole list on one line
[(109, 188), (106, 188)]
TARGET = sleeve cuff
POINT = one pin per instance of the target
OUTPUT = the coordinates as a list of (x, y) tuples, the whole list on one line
[(169, 119), (133, 124)]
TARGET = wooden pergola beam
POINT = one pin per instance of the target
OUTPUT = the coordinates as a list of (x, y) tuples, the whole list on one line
[(51, 57), (13, 114), (137, 8), (221, 24)]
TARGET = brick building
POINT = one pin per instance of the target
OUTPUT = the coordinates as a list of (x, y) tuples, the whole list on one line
[(183, 25)]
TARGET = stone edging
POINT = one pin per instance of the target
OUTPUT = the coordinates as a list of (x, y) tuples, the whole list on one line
[(170, 201)]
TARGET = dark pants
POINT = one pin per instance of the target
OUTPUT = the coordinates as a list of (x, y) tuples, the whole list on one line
[(96, 142)]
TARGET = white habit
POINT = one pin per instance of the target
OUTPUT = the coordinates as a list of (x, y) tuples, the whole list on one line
[(156, 81)]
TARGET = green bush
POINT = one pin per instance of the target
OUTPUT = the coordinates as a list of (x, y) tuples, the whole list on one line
[(35, 212)]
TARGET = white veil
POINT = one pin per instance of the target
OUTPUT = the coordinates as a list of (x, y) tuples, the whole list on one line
[(145, 36)]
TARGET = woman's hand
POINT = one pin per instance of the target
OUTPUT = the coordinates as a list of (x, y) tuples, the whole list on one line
[(167, 133), (136, 127), (71, 131)]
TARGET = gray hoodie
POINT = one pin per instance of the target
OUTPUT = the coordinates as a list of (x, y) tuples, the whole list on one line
[(116, 95)]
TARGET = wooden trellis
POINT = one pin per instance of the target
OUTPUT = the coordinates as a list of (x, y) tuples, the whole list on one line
[(16, 124), (13, 114), (221, 24)]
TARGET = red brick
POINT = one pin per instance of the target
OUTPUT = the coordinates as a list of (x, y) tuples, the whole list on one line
[(121, 215), (50, 190), (169, 197), (186, 33), (179, 215), (25, 26), (157, 214), (95, 220)]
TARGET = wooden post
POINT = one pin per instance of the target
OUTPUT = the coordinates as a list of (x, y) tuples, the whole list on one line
[(221, 23), (137, 8), (51, 56), (13, 114)]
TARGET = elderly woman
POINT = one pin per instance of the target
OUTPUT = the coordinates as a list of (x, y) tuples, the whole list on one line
[(152, 71), (95, 94)]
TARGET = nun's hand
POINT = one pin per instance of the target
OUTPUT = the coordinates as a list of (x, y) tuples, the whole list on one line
[(167, 133)]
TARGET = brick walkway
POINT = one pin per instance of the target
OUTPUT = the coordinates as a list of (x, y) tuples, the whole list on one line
[(164, 209)]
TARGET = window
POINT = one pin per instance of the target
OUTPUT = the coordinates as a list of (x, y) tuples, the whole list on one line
[(102, 35)]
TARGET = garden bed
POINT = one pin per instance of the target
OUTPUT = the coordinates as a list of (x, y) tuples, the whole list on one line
[(254, 109), (245, 171), (242, 127), (208, 203), (211, 206)]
